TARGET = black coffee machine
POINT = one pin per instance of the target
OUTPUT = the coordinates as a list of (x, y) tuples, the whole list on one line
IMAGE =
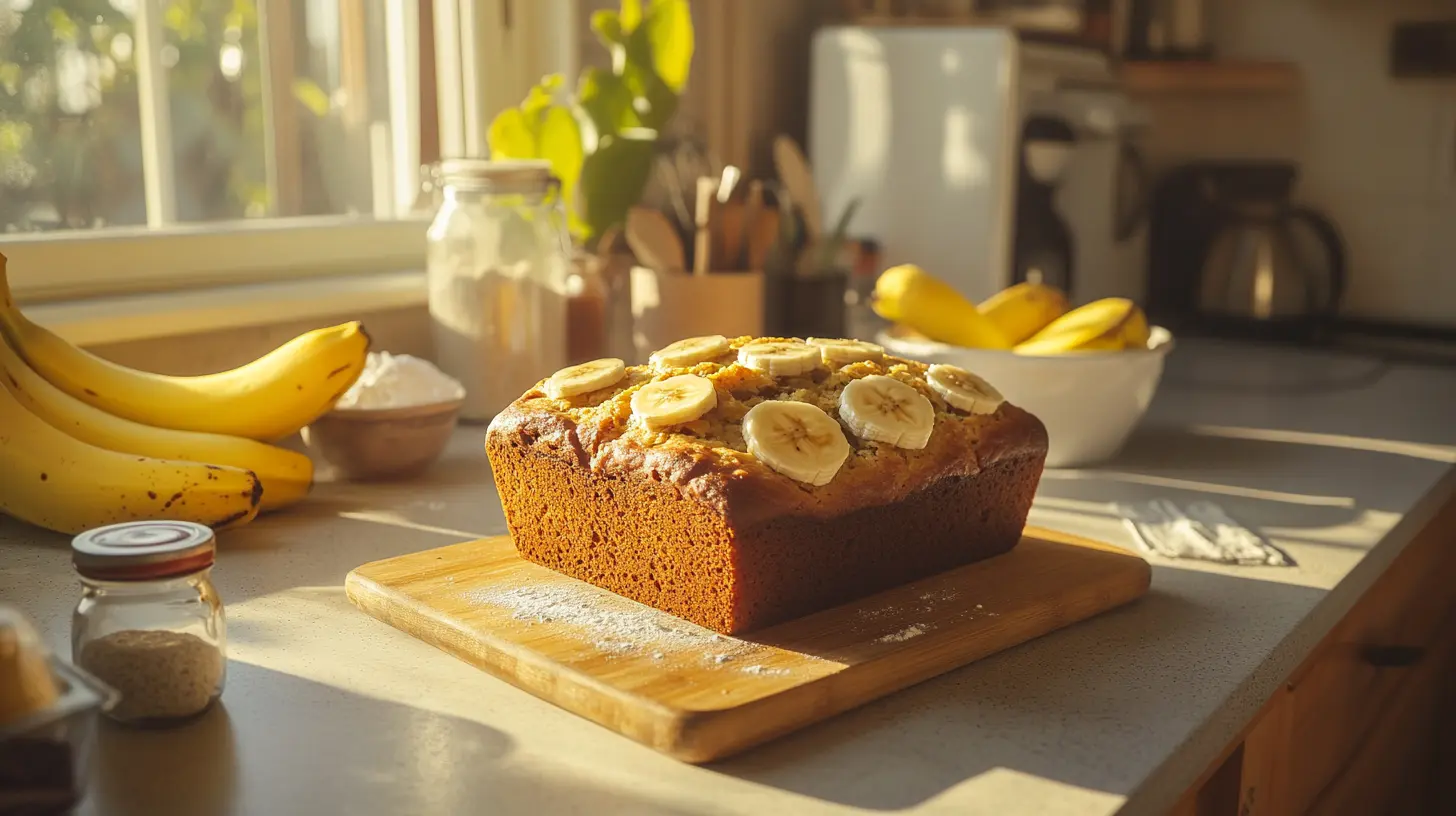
[(1042, 248)]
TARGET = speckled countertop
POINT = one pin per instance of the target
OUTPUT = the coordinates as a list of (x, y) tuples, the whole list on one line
[(1339, 459)]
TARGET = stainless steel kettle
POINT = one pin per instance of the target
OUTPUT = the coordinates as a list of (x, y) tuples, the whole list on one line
[(1257, 267)]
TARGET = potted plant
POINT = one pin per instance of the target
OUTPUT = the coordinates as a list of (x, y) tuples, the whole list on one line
[(601, 137)]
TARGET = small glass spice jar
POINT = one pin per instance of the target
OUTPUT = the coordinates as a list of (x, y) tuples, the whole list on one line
[(150, 623)]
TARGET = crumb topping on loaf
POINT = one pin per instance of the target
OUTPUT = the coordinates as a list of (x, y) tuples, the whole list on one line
[(608, 411), (599, 429)]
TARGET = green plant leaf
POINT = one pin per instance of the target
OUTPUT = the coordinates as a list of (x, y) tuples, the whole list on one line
[(559, 142), (615, 176), (63, 28), (541, 95), (669, 33), (631, 15), (312, 96), (607, 25), (607, 100), (14, 137), (512, 136), (10, 76), (841, 228), (659, 55), (654, 103), (835, 242)]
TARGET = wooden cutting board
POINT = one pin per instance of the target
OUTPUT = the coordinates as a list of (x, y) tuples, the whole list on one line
[(699, 696)]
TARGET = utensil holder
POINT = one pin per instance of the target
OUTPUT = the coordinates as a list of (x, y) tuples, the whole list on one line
[(668, 306), (807, 305)]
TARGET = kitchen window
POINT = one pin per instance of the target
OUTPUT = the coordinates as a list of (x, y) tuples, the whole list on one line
[(158, 145)]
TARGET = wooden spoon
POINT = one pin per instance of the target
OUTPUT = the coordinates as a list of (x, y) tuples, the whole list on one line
[(797, 179), (654, 240), (705, 215)]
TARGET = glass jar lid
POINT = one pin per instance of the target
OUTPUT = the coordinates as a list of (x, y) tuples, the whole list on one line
[(523, 176), (143, 550)]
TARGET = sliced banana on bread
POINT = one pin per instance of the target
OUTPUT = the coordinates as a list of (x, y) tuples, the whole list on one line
[(690, 351), (796, 439), (964, 390), (673, 401), (585, 378), (840, 353), (883, 409), (779, 358)]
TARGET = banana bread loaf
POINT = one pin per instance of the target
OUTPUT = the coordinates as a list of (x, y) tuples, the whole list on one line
[(740, 483)]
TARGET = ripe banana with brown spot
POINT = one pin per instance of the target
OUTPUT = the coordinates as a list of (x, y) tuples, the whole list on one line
[(52, 480), (267, 399), (286, 475)]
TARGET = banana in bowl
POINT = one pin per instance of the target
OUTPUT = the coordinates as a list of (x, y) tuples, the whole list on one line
[(1089, 372)]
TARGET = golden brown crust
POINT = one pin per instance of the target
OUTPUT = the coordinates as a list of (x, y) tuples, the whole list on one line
[(707, 460)]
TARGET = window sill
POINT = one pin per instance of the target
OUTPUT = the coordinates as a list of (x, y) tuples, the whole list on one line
[(142, 317)]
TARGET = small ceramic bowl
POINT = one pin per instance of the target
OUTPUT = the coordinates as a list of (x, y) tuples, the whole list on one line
[(1090, 401), (386, 443)]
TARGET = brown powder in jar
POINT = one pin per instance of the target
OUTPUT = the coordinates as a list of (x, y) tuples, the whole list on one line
[(586, 319), (159, 675)]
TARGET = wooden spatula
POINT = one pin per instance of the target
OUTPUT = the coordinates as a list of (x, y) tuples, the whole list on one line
[(729, 234), (654, 240), (748, 222), (763, 233)]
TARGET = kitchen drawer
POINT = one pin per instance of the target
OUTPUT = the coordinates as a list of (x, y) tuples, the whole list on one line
[(1380, 678), (1393, 769), (1337, 698)]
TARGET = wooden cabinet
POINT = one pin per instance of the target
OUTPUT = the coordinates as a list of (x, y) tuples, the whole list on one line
[(1361, 728)]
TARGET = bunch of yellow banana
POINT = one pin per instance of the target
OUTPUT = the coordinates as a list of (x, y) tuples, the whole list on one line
[(86, 442), (1028, 318), (1109, 324), (912, 297)]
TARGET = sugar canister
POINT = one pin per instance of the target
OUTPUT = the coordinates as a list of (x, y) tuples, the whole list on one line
[(499, 260), (149, 623)]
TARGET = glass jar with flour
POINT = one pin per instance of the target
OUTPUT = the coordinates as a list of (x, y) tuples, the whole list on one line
[(499, 261)]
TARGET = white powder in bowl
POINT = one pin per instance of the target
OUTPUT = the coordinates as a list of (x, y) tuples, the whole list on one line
[(399, 381)]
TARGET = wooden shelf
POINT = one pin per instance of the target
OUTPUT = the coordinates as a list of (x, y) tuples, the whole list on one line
[(1191, 76)]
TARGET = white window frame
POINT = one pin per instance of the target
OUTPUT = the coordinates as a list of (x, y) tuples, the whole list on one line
[(80, 264)]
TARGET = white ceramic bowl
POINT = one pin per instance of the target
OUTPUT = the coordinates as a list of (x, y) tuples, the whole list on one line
[(1090, 402), (383, 443)]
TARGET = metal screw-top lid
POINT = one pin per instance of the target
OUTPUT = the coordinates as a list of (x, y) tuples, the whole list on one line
[(498, 175), (143, 550)]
